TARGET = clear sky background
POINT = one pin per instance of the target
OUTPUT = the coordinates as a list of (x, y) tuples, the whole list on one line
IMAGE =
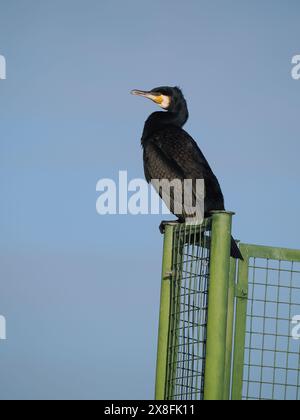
[(80, 292)]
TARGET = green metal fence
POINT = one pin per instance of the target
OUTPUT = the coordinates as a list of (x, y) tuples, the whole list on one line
[(211, 309), (182, 340), (267, 357), (188, 312)]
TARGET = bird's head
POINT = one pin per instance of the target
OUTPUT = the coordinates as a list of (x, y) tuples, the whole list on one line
[(166, 97)]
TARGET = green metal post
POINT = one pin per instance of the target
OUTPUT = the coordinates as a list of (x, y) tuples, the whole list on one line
[(164, 317), (240, 327), (217, 306), (230, 326)]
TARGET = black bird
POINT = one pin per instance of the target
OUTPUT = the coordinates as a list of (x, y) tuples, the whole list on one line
[(171, 153)]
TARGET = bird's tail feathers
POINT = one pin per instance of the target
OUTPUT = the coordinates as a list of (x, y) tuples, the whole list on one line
[(235, 252)]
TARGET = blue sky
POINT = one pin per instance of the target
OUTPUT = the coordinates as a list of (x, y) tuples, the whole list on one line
[(80, 292)]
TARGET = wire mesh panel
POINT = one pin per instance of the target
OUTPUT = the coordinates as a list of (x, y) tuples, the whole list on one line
[(188, 312), (272, 352)]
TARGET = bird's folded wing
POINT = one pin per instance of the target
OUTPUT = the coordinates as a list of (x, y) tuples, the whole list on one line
[(179, 147)]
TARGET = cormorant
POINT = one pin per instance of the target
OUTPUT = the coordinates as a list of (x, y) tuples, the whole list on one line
[(171, 153)]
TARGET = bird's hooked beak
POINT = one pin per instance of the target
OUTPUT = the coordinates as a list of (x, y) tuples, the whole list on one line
[(163, 101), (155, 97)]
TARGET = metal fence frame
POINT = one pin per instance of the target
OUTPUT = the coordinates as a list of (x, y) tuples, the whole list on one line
[(242, 309), (218, 361), (226, 312)]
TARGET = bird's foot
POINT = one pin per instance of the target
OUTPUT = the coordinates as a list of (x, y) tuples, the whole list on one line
[(163, 224)]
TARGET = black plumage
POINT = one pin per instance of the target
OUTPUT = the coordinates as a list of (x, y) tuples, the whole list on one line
[(171, 153)]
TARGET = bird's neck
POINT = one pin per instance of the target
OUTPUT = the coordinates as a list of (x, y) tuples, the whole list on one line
[(159, 120)]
